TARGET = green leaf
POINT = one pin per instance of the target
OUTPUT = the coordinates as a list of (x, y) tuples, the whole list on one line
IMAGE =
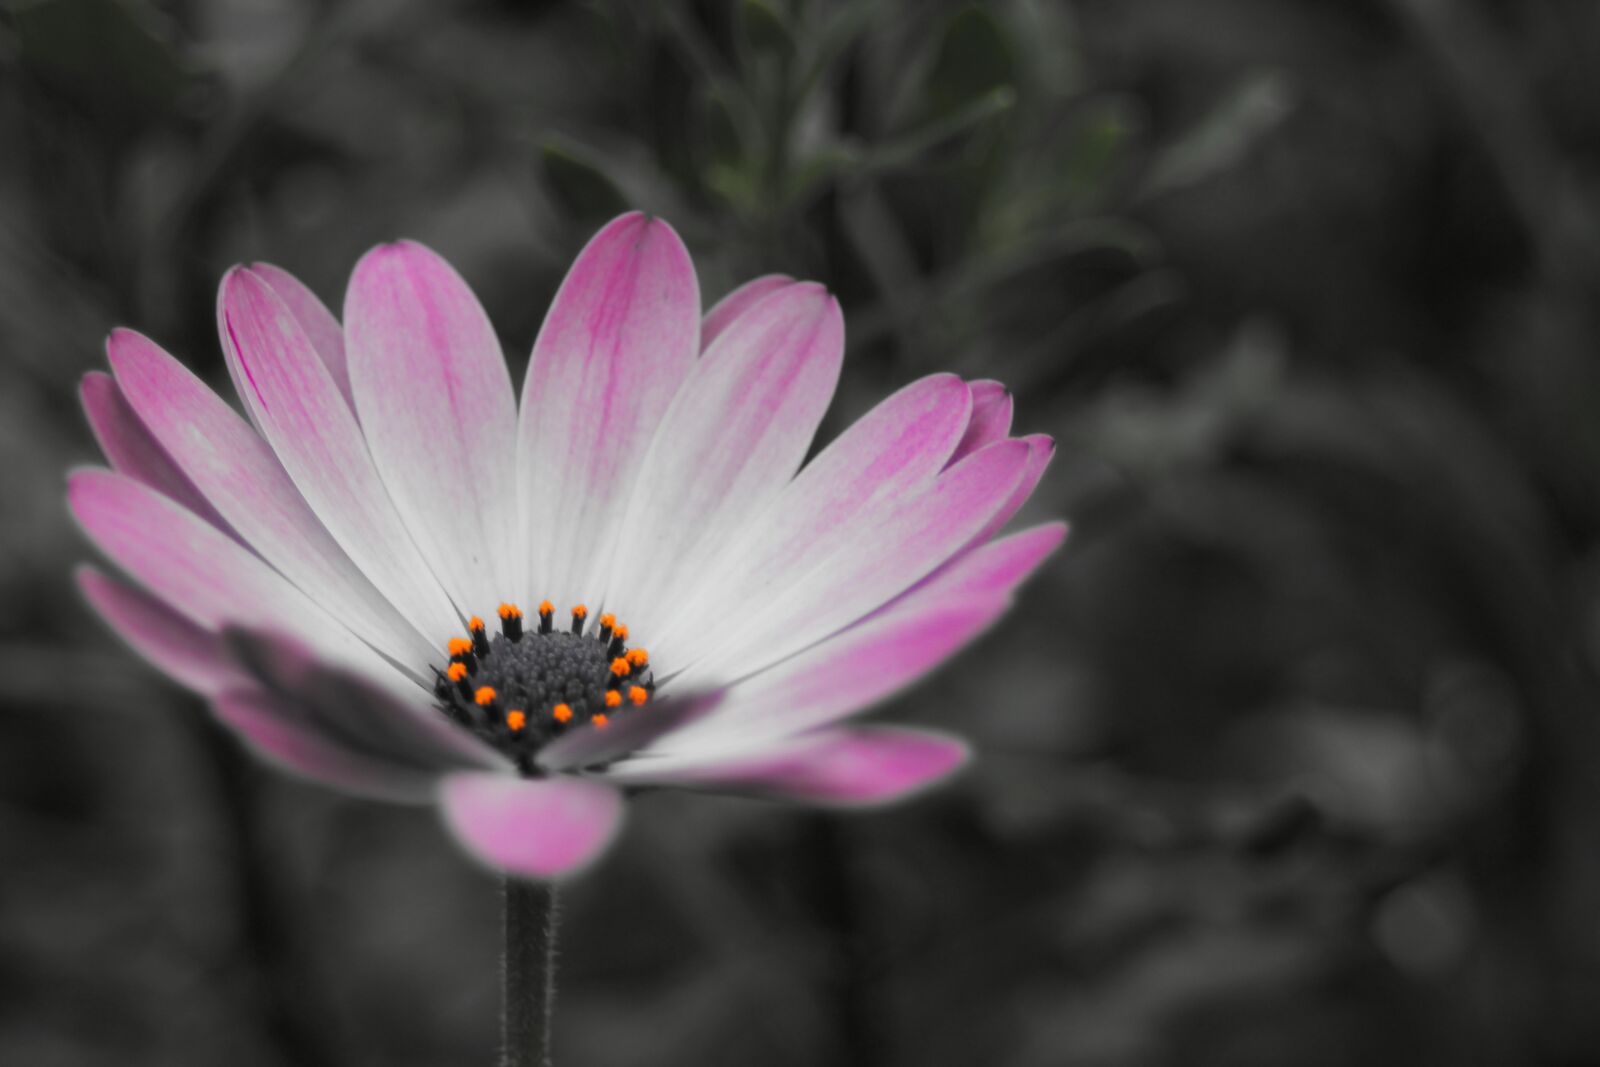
[(974, 59), (579, 186), (765, 28), (107, 53), (1246, 113)]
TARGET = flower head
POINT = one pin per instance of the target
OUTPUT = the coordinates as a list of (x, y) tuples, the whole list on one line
[(323, 571)]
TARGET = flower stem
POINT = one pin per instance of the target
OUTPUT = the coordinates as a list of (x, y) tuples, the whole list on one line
[(528, 979)]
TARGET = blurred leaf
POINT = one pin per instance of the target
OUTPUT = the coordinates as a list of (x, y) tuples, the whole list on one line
[(105, 52), (726, 171), (724, 142), (841, 30), (809, 178), (974, 60), (579, 186), (764, 28), (1249, 112), (1098, 145), (897, 152)]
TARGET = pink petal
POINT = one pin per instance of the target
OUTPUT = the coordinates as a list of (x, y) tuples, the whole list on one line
[(619, 340), (204, 575), (731, 440), (736, 303), (856, 768), (887, 457), (1041, 450), (440, 417), (131, 449), (628, 731), (189, 655), (881, 552), (237, 471), (991, 418), (877, 656), (321, 328), (388, 724), (534, 827), (274, 727), (304, 417)]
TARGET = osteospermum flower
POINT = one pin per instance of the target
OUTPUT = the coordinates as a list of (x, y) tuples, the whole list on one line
[(392, 579)]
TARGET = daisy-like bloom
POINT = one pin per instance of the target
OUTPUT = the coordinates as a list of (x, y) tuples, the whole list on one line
[(392, 579)]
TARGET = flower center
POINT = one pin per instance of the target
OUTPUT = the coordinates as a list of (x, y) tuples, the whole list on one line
[(522, 688)]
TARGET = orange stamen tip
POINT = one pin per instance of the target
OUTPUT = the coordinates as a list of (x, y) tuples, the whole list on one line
[(510, 611), (516, 720), (600, 722), (474, 623), (459, 646), (638, 694), (619, 667), (579, 611), (484, 696), (561, 712), (456, 672), (608, 619), (621, 631), (638, 657), (613, 698), (546, 608)]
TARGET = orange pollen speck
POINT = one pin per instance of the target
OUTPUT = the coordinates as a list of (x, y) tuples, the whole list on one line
[(613, 698), (622, 631), (579, 611), (456, 672), (516, 720), (561, 712), (545, 607), (474, 623), (608, 619), (459, 646), (484, 696), (638, 694), (638, 657), (510, 611), (620, 668), (599, 722)]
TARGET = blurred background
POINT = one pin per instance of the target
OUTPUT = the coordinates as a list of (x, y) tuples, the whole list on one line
[(1292, 755)]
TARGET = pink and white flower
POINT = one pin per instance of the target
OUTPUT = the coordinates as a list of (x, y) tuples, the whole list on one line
[(317, 569)]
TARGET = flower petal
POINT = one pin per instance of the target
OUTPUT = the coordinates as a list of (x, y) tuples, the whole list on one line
[(889, 455), (388, 724), (534, 827), (618, 342), (884, 551), (1041, 450), (187, 654), (436, 404), (304, 417), (736, 303), (732, 439), (275, 728), (130, 448), (204, 575), (991, 418), (321, 328), (877, 656), (627, 732), (860, 767), (237, 472)]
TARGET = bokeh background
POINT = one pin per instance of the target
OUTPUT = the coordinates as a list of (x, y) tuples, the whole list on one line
[(1290, 757)]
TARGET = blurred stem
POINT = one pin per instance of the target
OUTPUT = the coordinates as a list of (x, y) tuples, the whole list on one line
[(293, 1007), (528, 981), (840, 906)]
